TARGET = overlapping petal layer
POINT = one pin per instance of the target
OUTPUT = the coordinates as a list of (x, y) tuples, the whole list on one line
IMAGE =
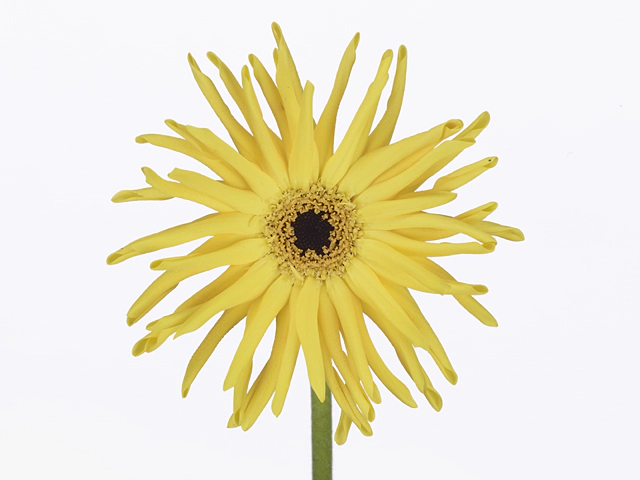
[(370, 186)]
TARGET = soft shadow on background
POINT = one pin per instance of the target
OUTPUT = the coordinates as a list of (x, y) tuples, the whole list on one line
[(549, 394)]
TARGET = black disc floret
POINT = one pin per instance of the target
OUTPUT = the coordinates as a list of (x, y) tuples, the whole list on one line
[(312, 231)]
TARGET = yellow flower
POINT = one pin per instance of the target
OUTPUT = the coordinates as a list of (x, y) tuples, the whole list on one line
[(313, 238)]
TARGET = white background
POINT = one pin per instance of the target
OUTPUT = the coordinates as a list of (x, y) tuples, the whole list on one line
[(551, 394)]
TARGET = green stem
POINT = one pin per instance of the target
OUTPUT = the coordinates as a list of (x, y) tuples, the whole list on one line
[(321, 443)]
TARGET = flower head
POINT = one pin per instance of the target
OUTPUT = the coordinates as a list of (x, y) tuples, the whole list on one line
[(325, 243)]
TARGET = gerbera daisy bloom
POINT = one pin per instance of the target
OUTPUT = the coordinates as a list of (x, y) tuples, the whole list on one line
[(322, 241)]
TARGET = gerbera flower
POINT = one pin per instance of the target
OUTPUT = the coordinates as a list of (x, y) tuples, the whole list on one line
[(324, 242)]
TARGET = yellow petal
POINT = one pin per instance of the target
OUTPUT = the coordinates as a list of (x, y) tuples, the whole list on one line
[(248, 287), (140, 194), (474, 307), (438, 161), (355, 139), (398, 268), (289, 358), (264, 386), (411, 178), (476, 215), (414, 248), (342, 430), (259, 181), (272, 95), (395, 386), (206, 226), (258, 321), (230, 82), (367, 286), (227, 321), (406, 355), (383, 132), (224, 171), (346, 306), (325, 130), (463, 297), (167, 282), (244, 201), (375, 163), (343, 395), (464, 175), (242, 139), (239, 396), (241, 252), (432, 221), (287, 80), (457, 288), (508, 233), (416, 202), (305, 312), (224, 280), (181, 191), (272, 159), (436, 350), (303, 162), (330, 329)]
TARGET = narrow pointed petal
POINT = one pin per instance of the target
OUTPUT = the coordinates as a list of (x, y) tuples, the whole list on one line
[(389, 380), (248, 287), (241, 252), (474, 307), (391, 264), (464, 175), (181, 191), (343, 395), (406, 354), (287, 80), (240, 395), (303, 162), (258, 321), (242, 139), (435, 349), (433, 221), (416, 202), (264, 386), (207, 226), (502, 231), (272, 160), (476, 215), (272, 95), (168, 281), (383, 132), (375, 163), (227, 321), (430, 164), (330, 323), (342, 430), (438, 161), (325, 130), (230, 82), (354, 141), (241, 200), (149, 193), (415, 248), (367, 286), (260, 182), (289, 358), (220, 168), (305, 313)]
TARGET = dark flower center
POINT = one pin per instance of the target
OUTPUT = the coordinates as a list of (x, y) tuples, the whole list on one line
[(312, 231)]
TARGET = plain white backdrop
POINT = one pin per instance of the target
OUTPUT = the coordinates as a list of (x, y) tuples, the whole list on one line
[(552, 393)]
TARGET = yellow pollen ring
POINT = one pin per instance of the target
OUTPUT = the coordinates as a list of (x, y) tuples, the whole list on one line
[(279, 231)]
